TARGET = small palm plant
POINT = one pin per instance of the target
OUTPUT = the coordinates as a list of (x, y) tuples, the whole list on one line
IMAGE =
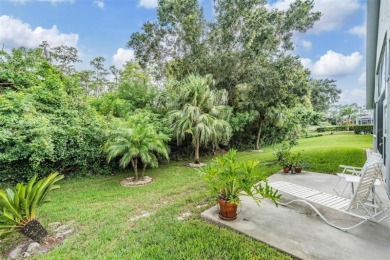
[(18, 207), (139, 143)]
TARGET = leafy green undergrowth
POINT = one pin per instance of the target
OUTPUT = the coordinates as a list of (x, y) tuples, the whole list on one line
[(101, 210)]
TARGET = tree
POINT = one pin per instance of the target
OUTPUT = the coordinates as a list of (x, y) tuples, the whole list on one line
[(201, 113), (245, 45), (281, 83), (45, 123), (177, 34), (115, 73), (141, 142), (323, 94), (22, 68), (63, 57), (134, 92), (84, 78), (99, 76), (349, 112)]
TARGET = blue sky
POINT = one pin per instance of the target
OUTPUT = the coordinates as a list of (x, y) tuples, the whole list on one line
[(334, 48)]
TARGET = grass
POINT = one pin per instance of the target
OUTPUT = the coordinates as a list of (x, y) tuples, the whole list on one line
[(100, 210)]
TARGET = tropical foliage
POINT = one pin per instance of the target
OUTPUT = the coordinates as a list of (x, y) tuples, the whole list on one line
[(201, 113), (45, 124), (229, 82), (230, 179), (18, 207), (140, 143)]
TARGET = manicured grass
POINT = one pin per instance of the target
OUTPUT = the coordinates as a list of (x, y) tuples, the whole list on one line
[(100, 210)]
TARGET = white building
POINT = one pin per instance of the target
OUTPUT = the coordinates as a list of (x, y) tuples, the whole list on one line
[(378, 77)]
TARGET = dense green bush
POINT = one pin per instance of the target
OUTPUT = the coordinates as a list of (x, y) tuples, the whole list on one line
[(46, 125), (333, 128), (367, 129), (41, 132)]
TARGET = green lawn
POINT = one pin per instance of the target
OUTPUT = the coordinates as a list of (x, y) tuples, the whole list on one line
[(100, 210)]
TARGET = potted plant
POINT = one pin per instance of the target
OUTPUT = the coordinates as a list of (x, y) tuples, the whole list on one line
[(295, 163), (229, 179), (286, 163), (284, 157), (300, 165)]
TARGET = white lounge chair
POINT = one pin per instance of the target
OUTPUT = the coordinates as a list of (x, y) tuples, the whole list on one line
[(357, 206), (356, 171)]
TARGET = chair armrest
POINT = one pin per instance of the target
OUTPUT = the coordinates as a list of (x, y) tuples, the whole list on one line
[(350, 167), (353, 172)]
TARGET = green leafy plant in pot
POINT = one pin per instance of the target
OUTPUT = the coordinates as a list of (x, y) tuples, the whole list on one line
[(18, 207), (230, 179), (283, 155)]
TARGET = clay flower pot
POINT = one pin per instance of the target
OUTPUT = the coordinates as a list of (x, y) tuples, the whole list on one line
[(298, 169), (286, 169), (227, 210)]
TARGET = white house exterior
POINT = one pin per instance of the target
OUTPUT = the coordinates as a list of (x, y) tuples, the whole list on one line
[(378, 78)]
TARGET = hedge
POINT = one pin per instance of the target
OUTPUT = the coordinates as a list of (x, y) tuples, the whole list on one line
[(332, 128), (366, 129)]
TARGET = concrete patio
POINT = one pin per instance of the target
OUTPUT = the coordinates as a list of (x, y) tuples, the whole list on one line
[(299, 231)]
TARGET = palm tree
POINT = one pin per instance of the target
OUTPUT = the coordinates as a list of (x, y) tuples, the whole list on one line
[(200, 113), (141, 142)]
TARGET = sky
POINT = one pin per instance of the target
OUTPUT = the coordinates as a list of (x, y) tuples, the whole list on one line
[(334, 48)]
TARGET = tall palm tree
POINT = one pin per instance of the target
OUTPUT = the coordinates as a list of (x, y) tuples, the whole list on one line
[(141, 142), (200, 113)]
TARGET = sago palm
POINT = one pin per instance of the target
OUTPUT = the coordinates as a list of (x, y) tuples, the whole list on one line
[(201, 114), (18, 207), (139, 143)]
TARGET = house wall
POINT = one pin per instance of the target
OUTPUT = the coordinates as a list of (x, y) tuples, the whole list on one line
[(382, 89)]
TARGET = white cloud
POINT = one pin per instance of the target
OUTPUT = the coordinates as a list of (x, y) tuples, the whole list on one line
[(362, 79), (334, 12), (359, 30), (333, 64), (306, 44), (355, 95), (121, 56), (307, 63), (15, 33), (99, 4), (148, 3), (50, 1)]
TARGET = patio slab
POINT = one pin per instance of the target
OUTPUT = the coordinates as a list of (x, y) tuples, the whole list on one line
[(300, 232)]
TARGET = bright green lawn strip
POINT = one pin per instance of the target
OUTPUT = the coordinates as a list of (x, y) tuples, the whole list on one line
[(104, 231), (100, 209)]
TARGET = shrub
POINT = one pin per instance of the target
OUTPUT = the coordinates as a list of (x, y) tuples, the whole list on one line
[(333, 128), (367, 129), (19, 206), (41, 133)]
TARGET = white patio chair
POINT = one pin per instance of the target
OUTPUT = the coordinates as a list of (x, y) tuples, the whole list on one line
[(352, 206), (356, 171)]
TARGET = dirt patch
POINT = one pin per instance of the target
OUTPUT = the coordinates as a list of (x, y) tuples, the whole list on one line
[(184, 215), (196, 165), (144, 215), (28, 248), (130, 182)]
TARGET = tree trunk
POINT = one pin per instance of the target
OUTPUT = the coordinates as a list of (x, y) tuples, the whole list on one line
[(143, 171), (35, 231), (261, 120), (196, 158), (134, 163)]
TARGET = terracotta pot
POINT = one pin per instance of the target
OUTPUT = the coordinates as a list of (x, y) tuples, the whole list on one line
[(286, 169), (227, 210), (298, 169)]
